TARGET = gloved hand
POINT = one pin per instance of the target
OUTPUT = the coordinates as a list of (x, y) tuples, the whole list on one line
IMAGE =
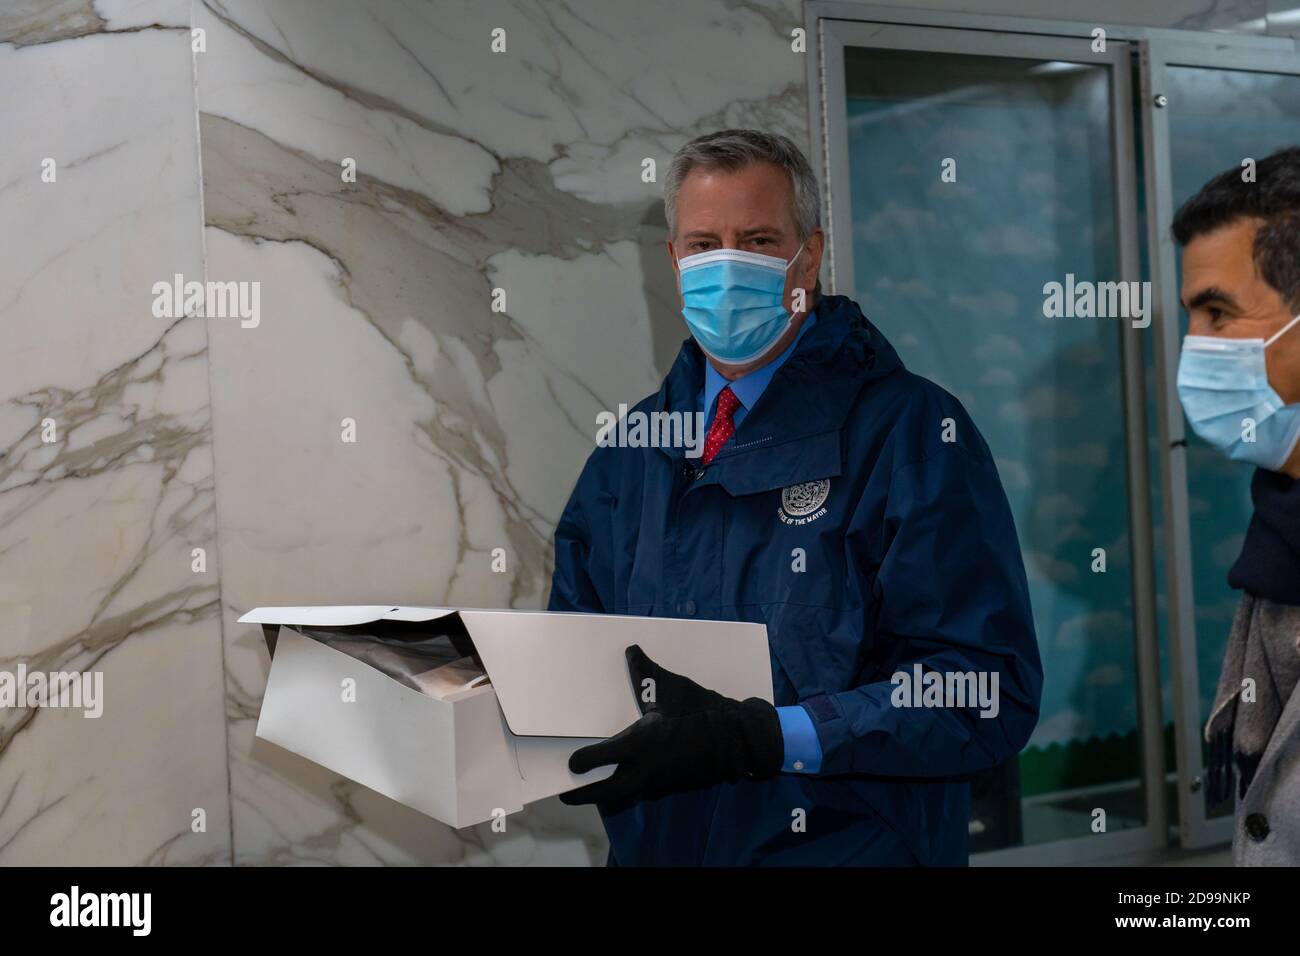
[(688, 737)]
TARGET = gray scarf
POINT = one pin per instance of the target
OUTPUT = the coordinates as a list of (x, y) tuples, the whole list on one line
[(1264, 645)]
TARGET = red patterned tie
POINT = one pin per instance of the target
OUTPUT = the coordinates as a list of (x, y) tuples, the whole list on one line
[(722, 427)]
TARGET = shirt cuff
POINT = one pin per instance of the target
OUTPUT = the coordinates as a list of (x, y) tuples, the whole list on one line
[(803, 751)]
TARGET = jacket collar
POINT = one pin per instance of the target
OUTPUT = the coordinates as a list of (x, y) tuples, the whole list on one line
[(792, 432)]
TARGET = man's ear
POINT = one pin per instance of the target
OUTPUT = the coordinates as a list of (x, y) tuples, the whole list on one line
[(813, 265)]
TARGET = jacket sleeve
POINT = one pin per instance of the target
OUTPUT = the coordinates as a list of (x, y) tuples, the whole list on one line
[(950, 595), (574, 584)]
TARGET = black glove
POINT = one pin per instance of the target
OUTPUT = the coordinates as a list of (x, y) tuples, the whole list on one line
[(688, 738)]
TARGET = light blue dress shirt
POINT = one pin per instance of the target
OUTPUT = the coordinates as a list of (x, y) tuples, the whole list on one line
[(803, 751)]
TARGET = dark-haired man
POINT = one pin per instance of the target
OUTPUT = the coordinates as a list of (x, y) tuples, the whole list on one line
[(1239, 381)]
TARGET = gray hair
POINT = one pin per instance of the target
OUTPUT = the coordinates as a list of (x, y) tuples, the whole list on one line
[(734, 149)]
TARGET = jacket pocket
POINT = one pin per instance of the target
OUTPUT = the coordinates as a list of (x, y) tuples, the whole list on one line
[(821, 649)]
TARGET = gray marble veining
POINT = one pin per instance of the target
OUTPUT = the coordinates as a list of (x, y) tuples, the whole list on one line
[(106, 472), (477, 171)]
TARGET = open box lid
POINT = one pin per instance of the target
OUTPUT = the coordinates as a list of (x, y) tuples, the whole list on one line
[(342, 615), (564, 674)]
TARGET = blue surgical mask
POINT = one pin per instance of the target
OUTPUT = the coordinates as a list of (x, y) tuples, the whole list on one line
[(1221, 382), (734, 302)]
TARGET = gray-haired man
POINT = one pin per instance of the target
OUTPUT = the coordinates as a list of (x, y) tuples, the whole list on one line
[(844, 502)]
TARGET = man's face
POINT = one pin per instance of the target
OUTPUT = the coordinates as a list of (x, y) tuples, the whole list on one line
[(750, 209), (1225, 297)]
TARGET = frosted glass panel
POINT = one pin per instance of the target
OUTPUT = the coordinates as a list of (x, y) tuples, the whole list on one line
[(953, 273), (1217, 118)]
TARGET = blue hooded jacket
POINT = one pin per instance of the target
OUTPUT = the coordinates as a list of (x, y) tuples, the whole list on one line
[(856, 512)]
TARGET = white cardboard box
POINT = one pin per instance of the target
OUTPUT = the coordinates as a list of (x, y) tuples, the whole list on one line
[(468, 746)]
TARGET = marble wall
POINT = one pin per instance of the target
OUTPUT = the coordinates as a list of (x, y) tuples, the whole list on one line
[(475, 171), (106, 468)]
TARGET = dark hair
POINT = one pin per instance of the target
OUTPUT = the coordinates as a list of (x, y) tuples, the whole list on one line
[(1274, 198)]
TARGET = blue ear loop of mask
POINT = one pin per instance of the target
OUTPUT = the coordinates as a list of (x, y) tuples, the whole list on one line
[(1221, 382), (734, 302)]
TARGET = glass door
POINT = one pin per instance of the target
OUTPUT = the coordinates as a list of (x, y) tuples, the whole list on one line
[(971, 173), (1205, 109)]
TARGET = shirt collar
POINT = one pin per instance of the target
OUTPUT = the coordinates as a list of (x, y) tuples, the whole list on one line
[(749, 386)]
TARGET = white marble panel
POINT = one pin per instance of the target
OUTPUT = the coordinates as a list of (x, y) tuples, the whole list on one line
[(97, 525), (519, 171)]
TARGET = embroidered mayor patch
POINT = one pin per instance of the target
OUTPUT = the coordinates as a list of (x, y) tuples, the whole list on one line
[(803, 502)]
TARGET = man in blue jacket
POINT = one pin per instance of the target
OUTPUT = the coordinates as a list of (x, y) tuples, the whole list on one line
[(844, 502)]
